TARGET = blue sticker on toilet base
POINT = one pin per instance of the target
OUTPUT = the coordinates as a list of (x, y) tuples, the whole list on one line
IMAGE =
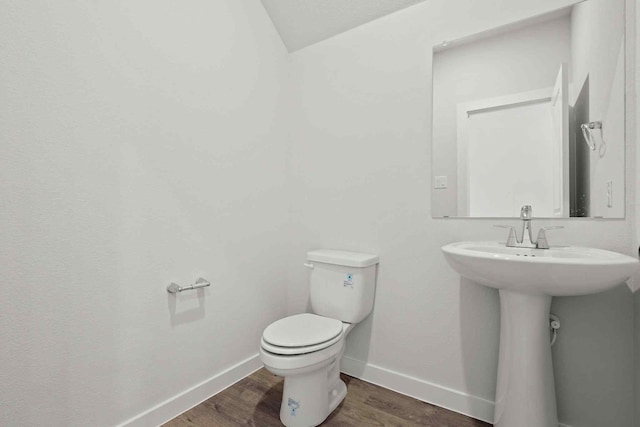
[(294, 405)]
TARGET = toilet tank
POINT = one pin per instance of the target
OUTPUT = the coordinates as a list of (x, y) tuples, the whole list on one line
[(342, 284)]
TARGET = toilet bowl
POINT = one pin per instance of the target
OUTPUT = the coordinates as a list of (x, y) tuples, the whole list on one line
[(306, 348), (312, 388)]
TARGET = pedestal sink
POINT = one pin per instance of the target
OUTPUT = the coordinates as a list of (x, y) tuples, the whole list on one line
[(526, 280)]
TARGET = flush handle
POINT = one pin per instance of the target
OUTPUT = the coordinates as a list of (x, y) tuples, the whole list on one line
[(308, 265)]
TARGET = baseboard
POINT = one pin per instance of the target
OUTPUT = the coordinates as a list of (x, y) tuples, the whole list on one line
[(189, 398), (444, 397), (435, 394)]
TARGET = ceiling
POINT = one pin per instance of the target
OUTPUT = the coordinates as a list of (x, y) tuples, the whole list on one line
[(305, 22)]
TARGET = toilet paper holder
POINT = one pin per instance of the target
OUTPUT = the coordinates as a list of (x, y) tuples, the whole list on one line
[(174, 288)]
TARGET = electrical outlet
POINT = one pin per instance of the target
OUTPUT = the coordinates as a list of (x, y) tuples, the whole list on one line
[(610, 194)]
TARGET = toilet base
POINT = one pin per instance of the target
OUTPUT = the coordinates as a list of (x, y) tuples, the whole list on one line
[(308, 399)]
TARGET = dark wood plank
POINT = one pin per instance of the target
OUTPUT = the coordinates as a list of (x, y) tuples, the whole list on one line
[(254, 401)]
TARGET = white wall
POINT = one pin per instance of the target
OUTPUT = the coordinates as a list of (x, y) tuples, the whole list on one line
[(141, 144), (520, 60), (361, 173)]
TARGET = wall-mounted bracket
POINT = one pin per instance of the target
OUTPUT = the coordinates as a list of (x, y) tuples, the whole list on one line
[(174, 288)]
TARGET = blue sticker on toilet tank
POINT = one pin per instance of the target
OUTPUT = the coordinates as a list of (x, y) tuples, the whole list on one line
[(348, 281), (294, 405)]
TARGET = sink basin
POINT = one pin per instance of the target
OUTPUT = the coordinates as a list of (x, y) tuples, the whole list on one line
[(526, 280), (559, 271)]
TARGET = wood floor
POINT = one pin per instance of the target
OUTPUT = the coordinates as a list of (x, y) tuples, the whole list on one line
[(255, 401)]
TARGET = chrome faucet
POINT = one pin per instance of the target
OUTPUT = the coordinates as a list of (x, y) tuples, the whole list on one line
[(541, 242), (526, 213)]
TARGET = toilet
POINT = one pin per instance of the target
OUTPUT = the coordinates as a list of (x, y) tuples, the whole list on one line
[(306, 348)]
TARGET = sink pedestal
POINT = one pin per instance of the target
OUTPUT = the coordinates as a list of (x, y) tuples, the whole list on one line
[(525, 394), (527, 278)]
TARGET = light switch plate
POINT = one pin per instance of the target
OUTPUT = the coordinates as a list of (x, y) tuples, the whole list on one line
[(440, 182)]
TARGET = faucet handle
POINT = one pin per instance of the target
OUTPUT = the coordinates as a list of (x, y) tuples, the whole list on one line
[(512, 239), (526, 212), (541, 241)]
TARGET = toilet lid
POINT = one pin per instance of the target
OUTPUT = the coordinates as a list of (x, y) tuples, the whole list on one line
[(302, 330)]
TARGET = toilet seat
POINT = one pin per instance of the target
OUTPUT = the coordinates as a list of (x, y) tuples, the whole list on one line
[(301, 333)]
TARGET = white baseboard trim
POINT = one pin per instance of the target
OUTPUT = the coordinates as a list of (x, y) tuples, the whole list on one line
[(193, 396), (435, 394), (454, 400)]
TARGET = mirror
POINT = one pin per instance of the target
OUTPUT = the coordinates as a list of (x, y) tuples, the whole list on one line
[(532, 113)]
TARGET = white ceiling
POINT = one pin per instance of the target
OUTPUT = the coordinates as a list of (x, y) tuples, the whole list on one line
[(304, 22)]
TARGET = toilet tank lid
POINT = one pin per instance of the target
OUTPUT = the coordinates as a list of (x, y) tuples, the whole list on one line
[(349, 259)]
